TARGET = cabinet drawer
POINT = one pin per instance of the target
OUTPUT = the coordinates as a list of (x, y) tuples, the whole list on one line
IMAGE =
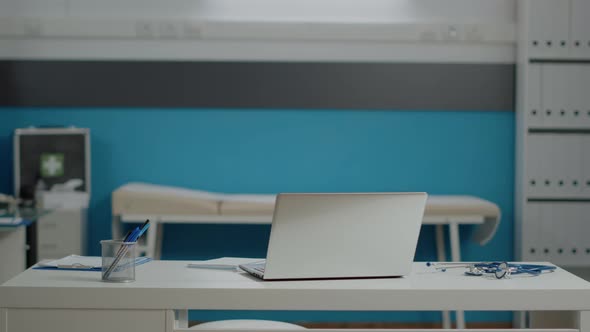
[(88, 320)]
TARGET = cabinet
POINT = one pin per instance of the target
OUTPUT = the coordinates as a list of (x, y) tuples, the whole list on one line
[(60, 233), (553, 132), (52, 172), (580, 28), (12, 252)]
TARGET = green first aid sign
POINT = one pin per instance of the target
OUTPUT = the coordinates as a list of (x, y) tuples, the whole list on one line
[(52, 165)]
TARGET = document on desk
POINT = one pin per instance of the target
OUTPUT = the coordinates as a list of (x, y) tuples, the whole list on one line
[(223, 263), (80, 263), (10, 221)]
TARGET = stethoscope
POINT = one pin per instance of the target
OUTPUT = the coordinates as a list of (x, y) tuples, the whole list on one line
[(499, 269)]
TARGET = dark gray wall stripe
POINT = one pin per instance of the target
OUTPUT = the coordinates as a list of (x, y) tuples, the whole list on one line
[(408, 86)]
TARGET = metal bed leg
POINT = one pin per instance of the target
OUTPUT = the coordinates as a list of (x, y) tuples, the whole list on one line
[(116, 227), (159, 240), (456, 257), (440, 244), (150, 242), (442, 256)]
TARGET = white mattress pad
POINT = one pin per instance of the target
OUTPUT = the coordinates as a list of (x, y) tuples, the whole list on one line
[(150, 199)]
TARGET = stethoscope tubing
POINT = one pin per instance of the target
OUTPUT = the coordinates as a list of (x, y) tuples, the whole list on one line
[(500, 269)]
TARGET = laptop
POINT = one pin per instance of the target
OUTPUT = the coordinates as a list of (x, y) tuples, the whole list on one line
[(342, 235)]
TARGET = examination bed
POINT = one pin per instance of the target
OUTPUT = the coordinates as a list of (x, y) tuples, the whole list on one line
[(134, 202)]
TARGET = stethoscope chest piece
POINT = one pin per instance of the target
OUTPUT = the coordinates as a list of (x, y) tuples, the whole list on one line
[(474, 271), (502, 271)]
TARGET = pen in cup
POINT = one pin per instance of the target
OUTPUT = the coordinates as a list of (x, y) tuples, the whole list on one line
[(131, 237)]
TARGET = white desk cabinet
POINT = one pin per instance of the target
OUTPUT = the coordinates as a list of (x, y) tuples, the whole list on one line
[(68, 301), (60, 233), (13, 251), (84, 320)]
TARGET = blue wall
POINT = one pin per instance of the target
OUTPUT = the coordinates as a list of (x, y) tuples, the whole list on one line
[(270, 151)]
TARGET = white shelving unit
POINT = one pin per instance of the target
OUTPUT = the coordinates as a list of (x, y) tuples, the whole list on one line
[(553, 139), (553, 132)]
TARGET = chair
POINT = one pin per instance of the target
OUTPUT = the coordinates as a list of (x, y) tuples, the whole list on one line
[(252, 324)]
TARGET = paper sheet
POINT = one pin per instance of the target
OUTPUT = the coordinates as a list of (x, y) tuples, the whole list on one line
[(10, 221), (223, 263), (75, 260)]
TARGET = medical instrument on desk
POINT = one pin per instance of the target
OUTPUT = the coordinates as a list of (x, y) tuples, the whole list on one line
[(499, 269)]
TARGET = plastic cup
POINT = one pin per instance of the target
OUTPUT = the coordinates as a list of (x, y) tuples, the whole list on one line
[(118, 260)]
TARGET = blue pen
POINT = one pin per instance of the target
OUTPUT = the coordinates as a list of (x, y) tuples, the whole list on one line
[(132, 235), (143, 229), (140, 230)]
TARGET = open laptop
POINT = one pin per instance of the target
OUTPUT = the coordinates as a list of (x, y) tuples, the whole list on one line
[(344, 235)]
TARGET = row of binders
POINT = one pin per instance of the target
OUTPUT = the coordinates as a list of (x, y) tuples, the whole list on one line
[(557, 232), (558, 96), (558, 166)]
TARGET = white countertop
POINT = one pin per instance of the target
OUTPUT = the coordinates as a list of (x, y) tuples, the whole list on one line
[(171, 285)]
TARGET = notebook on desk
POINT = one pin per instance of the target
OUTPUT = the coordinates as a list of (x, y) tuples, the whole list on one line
[(345, 235)]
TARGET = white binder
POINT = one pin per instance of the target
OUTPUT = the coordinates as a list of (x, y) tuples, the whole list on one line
[(557, 156), (546, 237), (553, 95), (531, 246), (580, 27), (534, 108), (549, 26), (534, 173), (573, 95), (585, 172), (574, 166), (583, 96)]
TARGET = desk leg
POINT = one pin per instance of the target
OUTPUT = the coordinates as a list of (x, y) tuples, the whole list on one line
[(442, 257), (181, 320), (584, 321), (3, 314)]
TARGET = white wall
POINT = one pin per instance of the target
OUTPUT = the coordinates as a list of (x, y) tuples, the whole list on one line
[(314, 30)]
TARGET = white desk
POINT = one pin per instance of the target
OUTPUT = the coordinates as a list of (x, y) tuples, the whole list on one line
[(451, 211), (64, 301)]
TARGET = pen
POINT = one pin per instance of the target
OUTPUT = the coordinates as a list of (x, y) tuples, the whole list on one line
[(127, 235), (132, 237), (144, 228), (133, 234)]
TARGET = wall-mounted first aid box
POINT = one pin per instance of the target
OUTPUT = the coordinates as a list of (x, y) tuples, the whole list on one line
[(51, 159)]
